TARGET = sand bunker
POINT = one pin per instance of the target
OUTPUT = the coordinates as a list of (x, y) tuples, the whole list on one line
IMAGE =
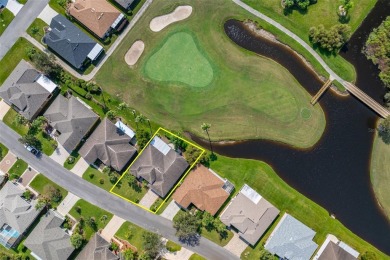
[(134, 52), (160, 22)]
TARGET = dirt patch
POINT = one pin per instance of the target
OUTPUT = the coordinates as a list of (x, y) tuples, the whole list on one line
[(160, 22), (134, 53)]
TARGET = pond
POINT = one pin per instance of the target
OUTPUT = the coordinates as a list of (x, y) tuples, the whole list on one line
[(335, 172)]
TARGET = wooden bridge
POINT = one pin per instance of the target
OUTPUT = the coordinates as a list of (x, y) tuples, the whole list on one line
[(322, 91)]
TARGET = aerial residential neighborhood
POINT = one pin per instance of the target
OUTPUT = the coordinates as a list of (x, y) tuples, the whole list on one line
[(190, 130)]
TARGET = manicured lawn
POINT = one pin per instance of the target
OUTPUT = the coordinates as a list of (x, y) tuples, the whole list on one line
[(6, 18), (216, 238), (13, 57), (172, 246), (8, 119), (4, 151), (40, 182), (264, 180), (87, 211), (17, 169), (131, 233), (196, 257), (38, 25), (107, 185), (173, 63), (69, 166), (164, 206), (57, 7), (22, 1), (380, 173), (124, 189), (250, 97)]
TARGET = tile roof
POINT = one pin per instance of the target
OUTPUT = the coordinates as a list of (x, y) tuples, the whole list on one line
[(203, 189), (291, 239), (108, 144), (159, 170), (22, 90), (96, 15), (48, 241), (335, 252), (14, 210), (97, 249), (72, 119), (249, 218), (68, 41), (125, 3)]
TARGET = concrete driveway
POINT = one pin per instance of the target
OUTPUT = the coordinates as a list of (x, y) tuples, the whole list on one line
[(67, 204), (112, 227), (80, 167), (27, 177), (7, 162), (171, 211), (4, 107), (60, 155), (14, 6), (236, 245), (47, 14), (148, 199)]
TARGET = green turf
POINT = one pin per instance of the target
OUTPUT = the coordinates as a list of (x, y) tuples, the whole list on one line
[(69, 166), (40, 182), (6, 17), (4, 151), (250, 97), (264, 180), (107, 185), (180, 60), (172, 246), (17, 169), (125, 190), (87, 211), (40, 25), (214, 236), (132, 234), (196, 257), (380, 173)]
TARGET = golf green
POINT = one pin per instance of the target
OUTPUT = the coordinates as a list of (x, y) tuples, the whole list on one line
[(180, 60)]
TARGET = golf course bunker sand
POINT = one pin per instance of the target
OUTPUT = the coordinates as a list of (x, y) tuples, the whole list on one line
[(180, 60), (134, 52), (160, 22)]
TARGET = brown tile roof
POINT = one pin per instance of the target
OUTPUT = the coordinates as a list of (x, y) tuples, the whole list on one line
[(96, 15), (203, 189)]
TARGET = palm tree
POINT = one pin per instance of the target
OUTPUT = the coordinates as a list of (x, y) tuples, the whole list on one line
[(206, 127), (150, 127), (140, 119), (134, 113)]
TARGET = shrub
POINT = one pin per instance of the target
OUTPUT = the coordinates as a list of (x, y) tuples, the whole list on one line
[(71, 160), (77, 240), (91, 175), (88, 96), (101, 181), (330, 39)]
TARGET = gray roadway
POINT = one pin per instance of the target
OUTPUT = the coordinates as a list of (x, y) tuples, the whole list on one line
[(20, 23), (104, 199)]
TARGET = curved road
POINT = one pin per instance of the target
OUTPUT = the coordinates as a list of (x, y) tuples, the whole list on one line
[(104, 199)]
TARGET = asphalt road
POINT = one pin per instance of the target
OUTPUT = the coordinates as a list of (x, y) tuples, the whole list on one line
[(20, 23), (104, 199)]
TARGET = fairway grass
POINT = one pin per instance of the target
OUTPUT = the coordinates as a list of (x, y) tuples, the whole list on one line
[(179, 60), (380, 173), (249, 97)]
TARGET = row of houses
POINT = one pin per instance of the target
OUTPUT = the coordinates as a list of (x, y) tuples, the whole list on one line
[(74, 46)]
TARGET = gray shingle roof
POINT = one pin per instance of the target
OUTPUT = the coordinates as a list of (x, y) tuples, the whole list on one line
[(23, 92), (15, 211), (249, 218), (161, 171), (48, 240), (72, 119), (334, 252), (108, 144), (124, 3), (97, 249), (68, 41), (291, 239)]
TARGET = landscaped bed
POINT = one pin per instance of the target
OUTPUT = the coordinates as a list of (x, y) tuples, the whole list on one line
[(40, 183), (36, 29), (131, 233)]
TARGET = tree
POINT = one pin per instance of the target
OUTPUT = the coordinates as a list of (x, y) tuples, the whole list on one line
[(384, 130), (368, 256), (37, 125), (152, 244), (128, 254), (42, 202), (46, 64), (34, 30), (300, 4), (111, 114), (123, 106), (187, 226), (140, 119), (92, 223), (192, 154), (265, 255), (143, 137), (51, 193), (206, 127), (76, 240), (20, 120), (31, 141), (331, 39), (208, 221), (150, 126)]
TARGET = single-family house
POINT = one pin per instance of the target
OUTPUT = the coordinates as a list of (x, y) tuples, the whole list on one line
[(291, 239), (97, 249), (160, 166), (70, 43), (27, 90), (334, 249), (71, 119), (126, 4), (16, 214), (99, 16), (48, 241), (250, 214), (110, 145), (204, 189)]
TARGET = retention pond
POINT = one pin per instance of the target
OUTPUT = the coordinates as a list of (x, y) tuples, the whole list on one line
[(334, 173)]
